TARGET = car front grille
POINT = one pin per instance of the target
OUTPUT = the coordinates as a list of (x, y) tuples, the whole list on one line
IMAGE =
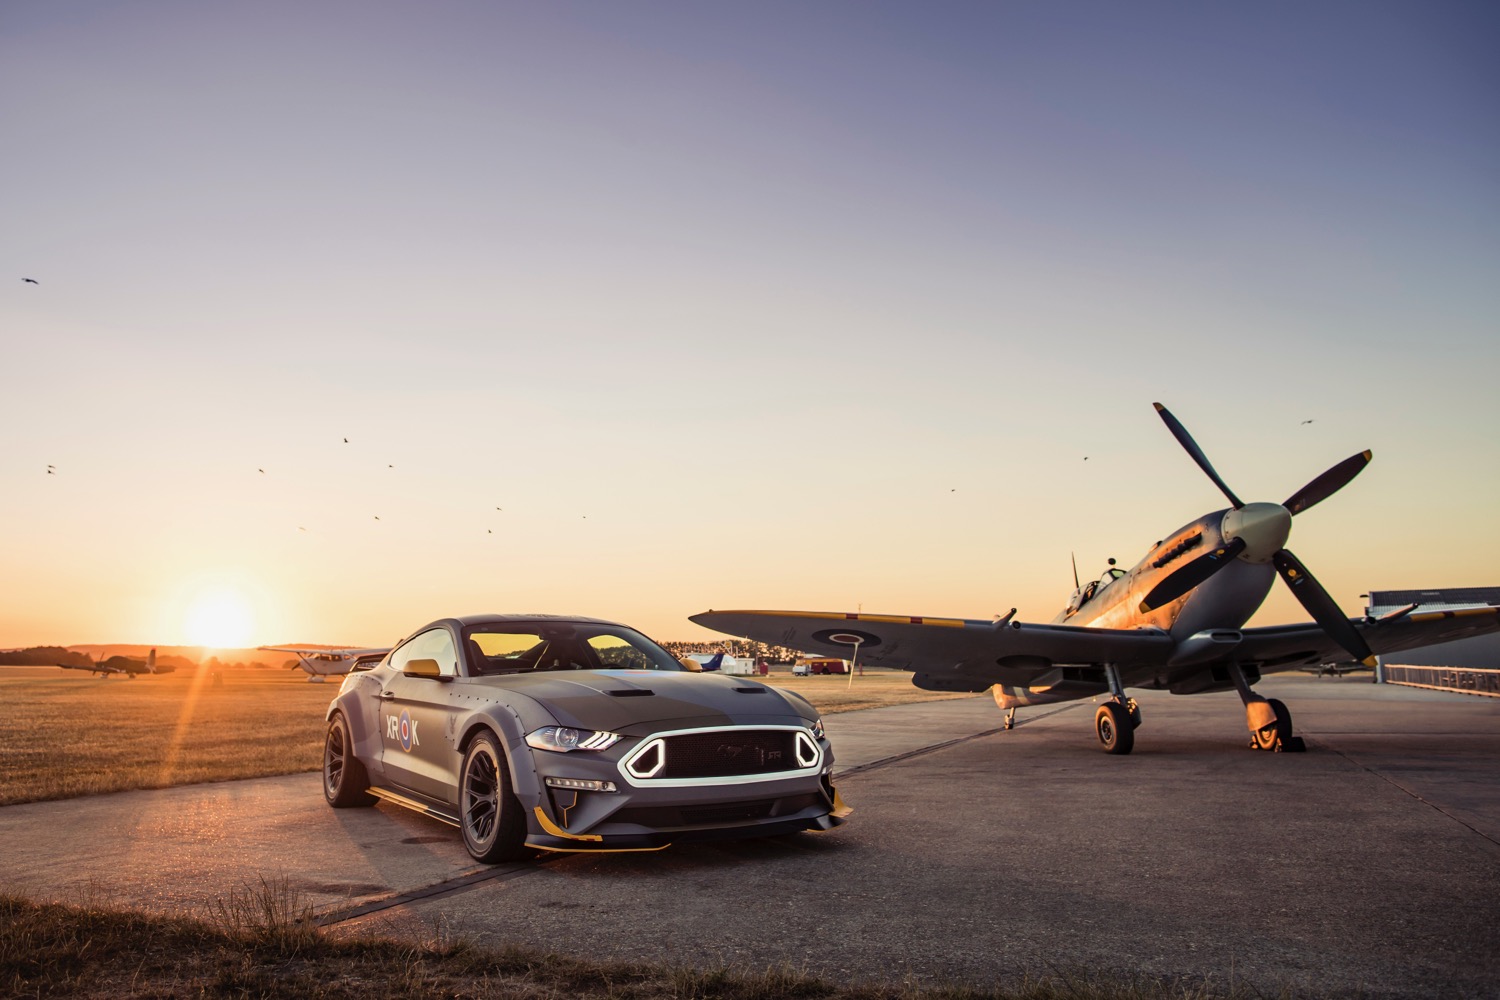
[(723, 753)]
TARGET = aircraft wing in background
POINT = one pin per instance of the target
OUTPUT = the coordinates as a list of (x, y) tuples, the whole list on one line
[(1290, 647), (323, 661), (947, 653)]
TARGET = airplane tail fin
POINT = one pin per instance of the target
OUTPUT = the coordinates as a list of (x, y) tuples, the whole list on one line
[(715, 663)]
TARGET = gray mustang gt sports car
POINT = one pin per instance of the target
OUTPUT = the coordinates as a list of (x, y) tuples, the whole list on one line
[(574, 734)]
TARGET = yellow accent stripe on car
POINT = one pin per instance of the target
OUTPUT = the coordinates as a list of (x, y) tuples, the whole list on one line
[(558, 831), (851, 616), (841, 809), (596, 850), (412, 804)]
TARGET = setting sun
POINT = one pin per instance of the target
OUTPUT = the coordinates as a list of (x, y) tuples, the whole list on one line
[(219, 619)]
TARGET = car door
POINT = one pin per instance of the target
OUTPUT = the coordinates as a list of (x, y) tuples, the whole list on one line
[(416, 742)]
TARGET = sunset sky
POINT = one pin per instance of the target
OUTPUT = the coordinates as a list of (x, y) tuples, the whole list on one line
[(770, 305)]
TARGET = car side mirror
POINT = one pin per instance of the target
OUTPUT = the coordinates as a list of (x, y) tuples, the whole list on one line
[(422, 668), (690, 664)]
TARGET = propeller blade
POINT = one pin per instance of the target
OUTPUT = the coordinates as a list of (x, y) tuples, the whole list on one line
[(1311, 595), (1188, 576), (1328, 483), (1186, 440)]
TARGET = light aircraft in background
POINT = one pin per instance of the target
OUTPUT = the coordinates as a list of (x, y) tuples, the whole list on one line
[(328, 661), (1175, 621), (122, 665)]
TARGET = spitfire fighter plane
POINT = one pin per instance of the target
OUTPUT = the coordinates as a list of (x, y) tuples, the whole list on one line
[(121, 665), (1174, 621)]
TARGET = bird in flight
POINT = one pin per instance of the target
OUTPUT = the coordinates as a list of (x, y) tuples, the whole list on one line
[(51, 470), (31, 281), (346, 440), (261, 471), (1307, 421), (377, 517)]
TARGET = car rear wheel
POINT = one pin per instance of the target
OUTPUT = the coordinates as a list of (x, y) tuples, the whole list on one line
[(345, 783), (489, 813)]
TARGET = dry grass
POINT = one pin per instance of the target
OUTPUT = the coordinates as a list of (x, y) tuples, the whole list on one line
[(263, 943), (833, 693), (69, 733)]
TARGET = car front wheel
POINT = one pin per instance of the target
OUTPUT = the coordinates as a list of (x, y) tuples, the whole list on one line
[(490, 815), (345, 783)]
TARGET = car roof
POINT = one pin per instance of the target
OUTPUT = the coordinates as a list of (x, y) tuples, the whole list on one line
[(497, 619)]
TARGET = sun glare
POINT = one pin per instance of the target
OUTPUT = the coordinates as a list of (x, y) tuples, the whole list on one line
[(219, 619)]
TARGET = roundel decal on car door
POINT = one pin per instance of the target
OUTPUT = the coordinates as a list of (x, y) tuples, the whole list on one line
[(403, 730)]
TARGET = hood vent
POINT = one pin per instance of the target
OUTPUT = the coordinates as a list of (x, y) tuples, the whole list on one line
[(633, 693), (751, 690)]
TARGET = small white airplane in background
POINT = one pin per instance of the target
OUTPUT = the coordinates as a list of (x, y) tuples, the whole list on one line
[(1175, 621), (121, 665), (329, 661)]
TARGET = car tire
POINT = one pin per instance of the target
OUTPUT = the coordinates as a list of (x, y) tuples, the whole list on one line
[(345, 783), (489, 814)]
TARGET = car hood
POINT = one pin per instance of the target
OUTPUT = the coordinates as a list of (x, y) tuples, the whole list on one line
[(619, 700)]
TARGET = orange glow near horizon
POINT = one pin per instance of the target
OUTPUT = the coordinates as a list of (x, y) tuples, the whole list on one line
[(219, 619)]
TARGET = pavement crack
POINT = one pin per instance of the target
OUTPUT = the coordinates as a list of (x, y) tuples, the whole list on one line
[(945, 744), (1398, 785), (448, 887)]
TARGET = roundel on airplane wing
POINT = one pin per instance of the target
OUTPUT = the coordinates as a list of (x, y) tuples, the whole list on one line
[(846, 637)]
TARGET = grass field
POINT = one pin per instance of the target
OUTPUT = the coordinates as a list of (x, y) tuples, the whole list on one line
[(73, 734), (263, 944)]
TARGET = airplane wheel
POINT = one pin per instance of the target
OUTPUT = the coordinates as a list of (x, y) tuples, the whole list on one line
[(490, 816), (344, 781), (1112, 723), (1278, 735)]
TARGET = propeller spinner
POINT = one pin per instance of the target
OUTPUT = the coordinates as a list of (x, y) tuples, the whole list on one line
[(1258, 532)]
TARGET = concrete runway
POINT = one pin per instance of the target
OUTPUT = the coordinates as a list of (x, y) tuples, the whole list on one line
[(1368, 866)]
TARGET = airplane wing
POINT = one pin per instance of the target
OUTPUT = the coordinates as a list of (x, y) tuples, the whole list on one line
[(960, 654), (1288, 647), (96, 668), (323, 650)]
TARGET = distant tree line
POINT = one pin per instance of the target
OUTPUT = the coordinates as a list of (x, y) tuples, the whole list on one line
[(44, 656)]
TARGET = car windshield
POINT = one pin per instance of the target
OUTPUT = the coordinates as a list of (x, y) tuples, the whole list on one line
[(515, 647)]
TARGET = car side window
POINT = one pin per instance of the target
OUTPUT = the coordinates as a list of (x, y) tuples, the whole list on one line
[(434, 644)]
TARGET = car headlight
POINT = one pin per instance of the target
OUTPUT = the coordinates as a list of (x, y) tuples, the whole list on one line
[(817, 728), (565, 738)]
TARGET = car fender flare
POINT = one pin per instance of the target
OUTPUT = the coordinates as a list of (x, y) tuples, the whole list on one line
[(366, 743), (523, 780)]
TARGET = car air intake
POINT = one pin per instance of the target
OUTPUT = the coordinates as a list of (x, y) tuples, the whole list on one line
[(724, 753)]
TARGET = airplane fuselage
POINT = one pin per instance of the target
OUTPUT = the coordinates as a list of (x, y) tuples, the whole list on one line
[(1225, 601)]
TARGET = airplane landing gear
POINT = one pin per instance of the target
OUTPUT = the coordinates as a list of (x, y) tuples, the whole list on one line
[(1269, 721), (1113, 726), (1010, 718), (1116, 720)]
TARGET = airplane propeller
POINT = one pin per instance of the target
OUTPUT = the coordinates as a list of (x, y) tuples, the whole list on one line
[(1265, 527)]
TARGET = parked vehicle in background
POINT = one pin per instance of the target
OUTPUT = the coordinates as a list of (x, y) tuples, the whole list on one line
[(821, 665)]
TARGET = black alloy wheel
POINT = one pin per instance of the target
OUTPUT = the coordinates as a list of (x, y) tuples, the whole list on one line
[(344, 781), (489, 812)]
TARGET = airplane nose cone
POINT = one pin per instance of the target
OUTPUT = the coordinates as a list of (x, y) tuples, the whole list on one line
[(1264, 527)]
